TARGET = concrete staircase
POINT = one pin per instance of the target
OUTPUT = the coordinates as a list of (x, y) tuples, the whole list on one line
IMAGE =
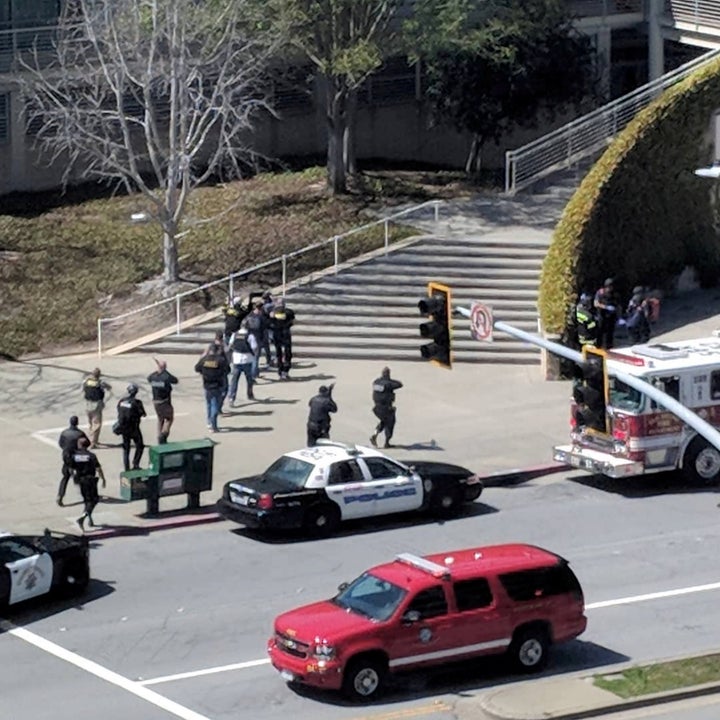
[(369, 310)]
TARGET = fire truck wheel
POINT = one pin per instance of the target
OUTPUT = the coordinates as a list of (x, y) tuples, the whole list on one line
[(701, 462)]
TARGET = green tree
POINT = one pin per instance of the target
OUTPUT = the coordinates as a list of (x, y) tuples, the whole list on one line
[(502, 63), (155, 95), (345, 40)]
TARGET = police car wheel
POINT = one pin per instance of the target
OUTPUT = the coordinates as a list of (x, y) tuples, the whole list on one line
[(322, 520), (447, 502), (364, 679), (701, 462), (75, 578)]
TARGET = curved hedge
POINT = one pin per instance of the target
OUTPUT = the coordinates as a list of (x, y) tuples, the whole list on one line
[(641, 215)]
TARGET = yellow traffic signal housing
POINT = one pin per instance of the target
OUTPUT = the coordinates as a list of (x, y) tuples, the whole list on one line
[(594, 395), (438, 307)]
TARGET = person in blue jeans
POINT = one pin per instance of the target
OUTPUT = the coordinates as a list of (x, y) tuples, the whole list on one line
[(214, 368), (244, 353)]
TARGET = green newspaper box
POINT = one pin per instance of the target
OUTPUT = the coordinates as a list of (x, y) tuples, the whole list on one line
[(175, 468)]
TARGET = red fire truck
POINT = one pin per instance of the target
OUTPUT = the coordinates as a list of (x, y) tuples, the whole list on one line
[(618, 431)]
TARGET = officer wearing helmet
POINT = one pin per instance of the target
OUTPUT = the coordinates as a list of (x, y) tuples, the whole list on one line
[(130, 412), (318, 423), (585, 322)]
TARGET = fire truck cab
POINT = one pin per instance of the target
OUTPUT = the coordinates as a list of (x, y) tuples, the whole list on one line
[(639, 435)]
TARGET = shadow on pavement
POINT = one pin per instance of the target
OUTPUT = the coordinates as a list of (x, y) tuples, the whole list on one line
[(469, 676), (245, 428), (423, 445), (643, 486), (43, 607), (352, 528)]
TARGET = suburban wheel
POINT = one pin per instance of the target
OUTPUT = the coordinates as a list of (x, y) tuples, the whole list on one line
[(322, 520), (364, 679), (447, 502), (529, 649), (701, 462)]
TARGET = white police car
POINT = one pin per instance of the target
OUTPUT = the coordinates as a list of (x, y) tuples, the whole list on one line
[(318, 487), (35, 565)]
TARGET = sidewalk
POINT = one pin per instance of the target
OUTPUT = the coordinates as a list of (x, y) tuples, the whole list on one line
[(567, 697)]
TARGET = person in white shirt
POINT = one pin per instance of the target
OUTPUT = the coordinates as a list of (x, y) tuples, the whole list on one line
[(244, 351)]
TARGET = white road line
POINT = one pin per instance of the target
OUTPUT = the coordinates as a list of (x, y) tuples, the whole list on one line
[(103, 673), (40, 434), (653, 596), (590, 606), (207, 671)]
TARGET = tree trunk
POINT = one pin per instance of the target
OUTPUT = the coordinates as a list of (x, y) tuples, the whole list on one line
[(171, 267), (474, 159), (336, 117), (349, 155)]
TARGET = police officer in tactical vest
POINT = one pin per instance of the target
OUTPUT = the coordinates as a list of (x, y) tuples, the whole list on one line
[(68, 442), (585, 322), (130, 412), (280, 322), (87, 469), (384, 406), (161, 382), (318, 423), (94, 392)]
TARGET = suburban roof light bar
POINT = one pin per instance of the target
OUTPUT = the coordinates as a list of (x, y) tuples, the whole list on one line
[(422, 564)]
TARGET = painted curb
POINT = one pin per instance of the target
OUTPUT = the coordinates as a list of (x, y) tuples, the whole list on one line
[(496, 479), (177, 521), (516, 476), (687, 693)]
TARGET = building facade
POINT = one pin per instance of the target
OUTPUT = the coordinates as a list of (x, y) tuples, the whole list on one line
[(636, 40)]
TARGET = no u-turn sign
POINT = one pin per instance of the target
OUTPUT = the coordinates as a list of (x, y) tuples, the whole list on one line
[(481, 322)]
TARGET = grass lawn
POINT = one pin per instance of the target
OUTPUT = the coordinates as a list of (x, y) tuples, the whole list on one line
[(66, 260), (660, 677)]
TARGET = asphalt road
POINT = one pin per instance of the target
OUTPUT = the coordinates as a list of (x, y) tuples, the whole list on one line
[(199, 603)]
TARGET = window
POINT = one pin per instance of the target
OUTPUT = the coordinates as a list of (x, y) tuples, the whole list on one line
[(4, 118), (623, 397), (382, 468), (669, 385), (472, 594), (429, 603), (13, 549), (540, 583), (343, 473), (371, 596), (715, 385), (289, 470)]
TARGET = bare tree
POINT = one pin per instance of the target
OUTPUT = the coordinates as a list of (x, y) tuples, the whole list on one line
[(156, 95)]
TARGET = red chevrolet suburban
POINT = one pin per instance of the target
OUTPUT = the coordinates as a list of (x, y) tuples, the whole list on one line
[(424, 611)]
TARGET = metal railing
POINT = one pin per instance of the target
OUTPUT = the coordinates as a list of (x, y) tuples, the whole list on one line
[(701, 13), (603, 8), (180, 311), (583, 137), (26, 40)]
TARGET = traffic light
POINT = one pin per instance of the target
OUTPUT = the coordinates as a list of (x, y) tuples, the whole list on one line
[(438, 307), (592, 394)]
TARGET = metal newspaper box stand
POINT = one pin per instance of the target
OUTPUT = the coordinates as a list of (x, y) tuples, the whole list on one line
[(175, 468)]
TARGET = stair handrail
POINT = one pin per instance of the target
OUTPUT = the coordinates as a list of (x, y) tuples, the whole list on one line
[(230, 279), (581, 137)]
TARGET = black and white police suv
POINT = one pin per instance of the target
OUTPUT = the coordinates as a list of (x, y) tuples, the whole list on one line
[(314, 489), (35, 565)]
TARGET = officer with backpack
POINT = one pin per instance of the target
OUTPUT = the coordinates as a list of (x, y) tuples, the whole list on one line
[(130, 412)]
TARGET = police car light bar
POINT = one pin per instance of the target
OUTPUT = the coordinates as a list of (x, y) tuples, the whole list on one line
[(434, 569)]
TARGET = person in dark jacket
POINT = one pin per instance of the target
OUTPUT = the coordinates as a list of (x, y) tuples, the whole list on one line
[(234, 313), (281, 322), (638, 322), (68, 442), (130, 412), (256, 324), (384, 406), (214, 368), (318, 423), (606, 302), (161, 382), (87, 469), (94, 389)]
